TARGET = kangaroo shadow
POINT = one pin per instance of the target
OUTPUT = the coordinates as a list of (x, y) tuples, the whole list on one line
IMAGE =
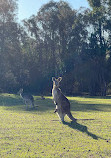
[(81, 128)]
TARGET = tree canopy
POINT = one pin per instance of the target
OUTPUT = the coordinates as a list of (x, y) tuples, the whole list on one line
[(57, 41)]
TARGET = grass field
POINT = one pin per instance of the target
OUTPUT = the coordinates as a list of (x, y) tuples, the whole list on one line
[(37, 133)]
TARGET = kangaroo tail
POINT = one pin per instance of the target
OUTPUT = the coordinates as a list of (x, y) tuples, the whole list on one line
[(71, 117)]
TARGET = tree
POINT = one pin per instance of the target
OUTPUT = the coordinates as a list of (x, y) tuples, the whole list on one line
[(59, 34), (11, 57), (8, 41), (98, 47)]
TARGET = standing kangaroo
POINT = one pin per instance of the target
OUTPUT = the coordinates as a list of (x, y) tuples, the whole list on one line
[(28, 99), (61, 102)]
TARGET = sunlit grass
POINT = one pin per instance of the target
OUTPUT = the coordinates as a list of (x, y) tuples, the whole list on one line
[(38, 132)]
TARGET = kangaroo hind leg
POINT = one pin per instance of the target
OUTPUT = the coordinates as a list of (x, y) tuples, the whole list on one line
[(61, 116)]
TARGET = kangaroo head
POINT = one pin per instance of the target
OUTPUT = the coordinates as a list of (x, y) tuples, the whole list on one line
[(56, 81), (20, 91)]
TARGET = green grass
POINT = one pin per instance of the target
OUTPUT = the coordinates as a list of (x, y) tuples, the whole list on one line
[(37, 133)]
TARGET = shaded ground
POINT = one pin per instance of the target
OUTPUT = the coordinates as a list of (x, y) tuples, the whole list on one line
[(77, 104)]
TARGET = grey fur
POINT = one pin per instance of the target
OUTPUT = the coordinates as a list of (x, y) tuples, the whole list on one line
[(28, 99), (61, 102)]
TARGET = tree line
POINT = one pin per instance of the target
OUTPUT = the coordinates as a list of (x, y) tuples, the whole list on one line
[(57, 41)]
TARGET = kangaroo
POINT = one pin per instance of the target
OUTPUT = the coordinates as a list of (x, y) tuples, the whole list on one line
[(61, 102), (28, 99)]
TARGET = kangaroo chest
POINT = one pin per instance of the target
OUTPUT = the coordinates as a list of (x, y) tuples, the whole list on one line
[(55, 94)]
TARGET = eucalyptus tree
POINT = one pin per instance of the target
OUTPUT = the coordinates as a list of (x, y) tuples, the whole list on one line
[(60, 26), (59, 33), (8, 41), (12, 67), (48, 19), (108, 28), (98, 47), (34, 48), (7, 19)]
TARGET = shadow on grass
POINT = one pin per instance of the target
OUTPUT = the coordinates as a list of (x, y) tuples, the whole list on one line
[(14, 102), (81, 128), (84, 106), (10, 100)]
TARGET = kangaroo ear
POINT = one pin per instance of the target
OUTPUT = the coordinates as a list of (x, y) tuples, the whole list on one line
[(53, 78), (59, 79)]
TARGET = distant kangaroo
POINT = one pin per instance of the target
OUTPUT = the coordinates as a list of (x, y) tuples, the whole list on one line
[(61, 102), (28, 99)]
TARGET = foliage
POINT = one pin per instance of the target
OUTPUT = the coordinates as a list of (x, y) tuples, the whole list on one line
[(10, 47), (58, 41)]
